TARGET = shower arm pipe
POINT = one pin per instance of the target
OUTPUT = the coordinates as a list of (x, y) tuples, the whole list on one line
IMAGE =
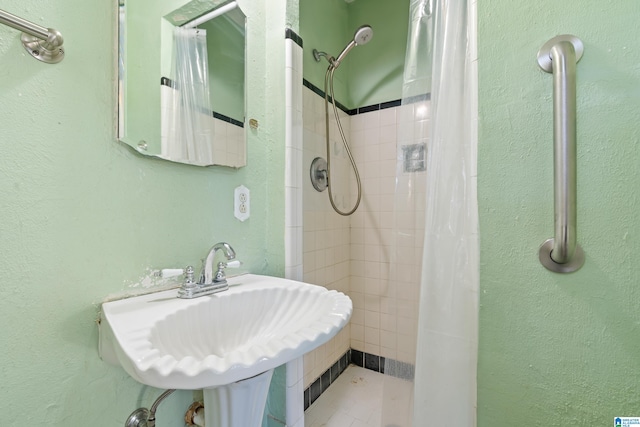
[(44, 44), (328, 86), (559, 56)]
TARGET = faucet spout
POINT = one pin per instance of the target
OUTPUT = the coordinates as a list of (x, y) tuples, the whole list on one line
[(207, 274), (210, 282)]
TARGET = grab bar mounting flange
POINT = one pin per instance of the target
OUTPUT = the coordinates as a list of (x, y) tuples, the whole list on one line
[(544, 54), (574, 264)]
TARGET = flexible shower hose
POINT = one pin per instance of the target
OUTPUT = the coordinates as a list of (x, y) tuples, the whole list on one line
[(328, 81)]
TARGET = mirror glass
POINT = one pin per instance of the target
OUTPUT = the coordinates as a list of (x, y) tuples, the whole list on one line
[(146, 93)]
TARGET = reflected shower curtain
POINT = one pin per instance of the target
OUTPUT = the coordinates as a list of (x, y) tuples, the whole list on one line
[(435, 254), (190, 129)]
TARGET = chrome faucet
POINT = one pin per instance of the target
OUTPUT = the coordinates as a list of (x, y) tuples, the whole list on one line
[(208, 283)]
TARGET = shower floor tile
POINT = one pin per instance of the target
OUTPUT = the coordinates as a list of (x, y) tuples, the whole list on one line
[(353, 400)]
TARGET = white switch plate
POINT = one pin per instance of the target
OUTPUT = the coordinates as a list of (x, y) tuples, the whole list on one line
[(242, 203)]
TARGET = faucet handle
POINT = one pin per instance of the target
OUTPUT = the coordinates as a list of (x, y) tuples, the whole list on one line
[(220, 277), (189, 287), (189, 281)]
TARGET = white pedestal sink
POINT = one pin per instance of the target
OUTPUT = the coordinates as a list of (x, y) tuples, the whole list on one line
[(237, 404), (227, 344)]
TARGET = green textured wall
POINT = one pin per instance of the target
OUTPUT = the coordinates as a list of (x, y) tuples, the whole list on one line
[(370, 74), (83, 217), (324, 25), (225, 51), (375, 69), (557, 349)]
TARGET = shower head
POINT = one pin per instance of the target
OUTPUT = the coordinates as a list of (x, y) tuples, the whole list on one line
[(362, 36)]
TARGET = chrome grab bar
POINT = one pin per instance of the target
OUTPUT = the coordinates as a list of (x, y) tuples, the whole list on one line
[(559, 56), (44, 44)]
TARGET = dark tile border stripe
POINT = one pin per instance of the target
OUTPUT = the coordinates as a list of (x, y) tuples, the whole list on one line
[(367, 108), (373, 362), (395, 368), (290, 34), (165, 81), (321, 384), (228, 119), (391, 104), (315, 89)]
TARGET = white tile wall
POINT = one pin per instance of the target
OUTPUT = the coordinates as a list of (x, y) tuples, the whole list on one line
[(229, 148), (293, 160), (386, 242), (374, 255), (293, 212), (326, 234)]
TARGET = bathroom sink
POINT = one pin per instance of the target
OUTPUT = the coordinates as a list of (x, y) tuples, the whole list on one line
[(258, 324)]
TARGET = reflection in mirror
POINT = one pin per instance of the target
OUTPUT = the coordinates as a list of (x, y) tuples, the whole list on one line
[(198, 121)]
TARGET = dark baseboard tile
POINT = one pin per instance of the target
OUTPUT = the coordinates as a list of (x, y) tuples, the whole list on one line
[(394, 368), (321, 384)]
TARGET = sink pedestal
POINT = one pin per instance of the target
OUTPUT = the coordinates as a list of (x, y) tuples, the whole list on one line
[(239, 404)]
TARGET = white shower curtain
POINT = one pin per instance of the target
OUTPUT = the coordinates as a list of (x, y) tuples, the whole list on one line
[(445, 387), (190, 123), (439, 91)]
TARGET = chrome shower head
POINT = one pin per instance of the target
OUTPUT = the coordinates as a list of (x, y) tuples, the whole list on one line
[(363, 35)]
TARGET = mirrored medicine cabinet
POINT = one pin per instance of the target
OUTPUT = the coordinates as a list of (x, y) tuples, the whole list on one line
[(147, 98)]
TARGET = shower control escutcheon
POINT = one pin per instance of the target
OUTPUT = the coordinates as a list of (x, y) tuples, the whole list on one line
[(318, 173)]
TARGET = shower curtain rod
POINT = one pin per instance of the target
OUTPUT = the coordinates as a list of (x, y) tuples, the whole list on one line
[(44, 44), (210, 15)]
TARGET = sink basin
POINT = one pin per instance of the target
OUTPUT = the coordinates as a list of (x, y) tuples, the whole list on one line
[(258, 324)]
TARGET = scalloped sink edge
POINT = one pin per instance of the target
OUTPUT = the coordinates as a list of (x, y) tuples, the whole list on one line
[(260, 323)]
